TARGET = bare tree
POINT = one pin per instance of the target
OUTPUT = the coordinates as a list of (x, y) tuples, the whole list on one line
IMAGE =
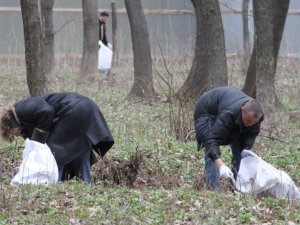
[(36, 78), (265, 64), (111, 73), (143, 77), (209, 68), (48, 35), (89, 61), (114, 32), (279, 13), (246, 32), (250, 82)]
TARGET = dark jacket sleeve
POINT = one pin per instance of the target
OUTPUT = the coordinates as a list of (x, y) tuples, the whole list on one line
[(248, 138), (218, 134), (37, 110)]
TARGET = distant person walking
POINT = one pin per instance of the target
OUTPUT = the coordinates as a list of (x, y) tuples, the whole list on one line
[(102, 27)]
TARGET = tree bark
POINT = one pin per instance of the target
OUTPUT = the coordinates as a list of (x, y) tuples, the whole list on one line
[(209, 68), (265, 64), (246, 31), (280, 10), (111, 73), (250, 82), (89, 61), (279, 17), (36, 78), (114, 25), (143, 78), (48, 35)]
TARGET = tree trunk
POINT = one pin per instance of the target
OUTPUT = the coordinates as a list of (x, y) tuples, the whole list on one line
[(111, 73), (114, 33), (143, 78), (280, 10), (265, 63), (209, 68), (36, 78), (246, 31), (89, 61), (48, 35), (250, 82)]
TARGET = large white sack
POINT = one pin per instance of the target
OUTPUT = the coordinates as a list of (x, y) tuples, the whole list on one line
[(38, 165), (256, 175), (104, 57)]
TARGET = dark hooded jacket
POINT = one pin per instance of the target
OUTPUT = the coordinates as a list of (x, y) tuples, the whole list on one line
[(75, 124), (218, 120)]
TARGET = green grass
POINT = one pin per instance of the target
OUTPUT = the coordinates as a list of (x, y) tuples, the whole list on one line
[(144, 126), (95, 204)]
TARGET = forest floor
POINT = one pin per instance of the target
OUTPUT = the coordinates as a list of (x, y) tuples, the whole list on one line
[(149, 177)]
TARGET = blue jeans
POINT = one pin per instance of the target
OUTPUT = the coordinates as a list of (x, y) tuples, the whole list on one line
[(80, 166), (212, 172)]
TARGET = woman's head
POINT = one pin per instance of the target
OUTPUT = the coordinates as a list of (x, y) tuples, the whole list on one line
[(9, 127)]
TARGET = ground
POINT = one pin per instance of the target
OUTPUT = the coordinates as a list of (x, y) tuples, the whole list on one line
[(163, 179)]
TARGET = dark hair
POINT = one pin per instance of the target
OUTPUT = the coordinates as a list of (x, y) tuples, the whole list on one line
[(255, 107), (104, 13), (7, 124)]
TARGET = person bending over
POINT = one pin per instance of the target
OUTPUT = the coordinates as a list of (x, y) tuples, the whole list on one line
[(225, 116), (71, 124)]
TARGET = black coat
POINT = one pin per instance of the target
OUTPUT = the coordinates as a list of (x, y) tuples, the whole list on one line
[(74, 121), (104, 39), (218, 120)]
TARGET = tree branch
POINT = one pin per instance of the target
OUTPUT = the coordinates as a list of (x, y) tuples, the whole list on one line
[(66, 23)]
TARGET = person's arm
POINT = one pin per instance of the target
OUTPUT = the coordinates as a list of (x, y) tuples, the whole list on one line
[(39, 112), (217, 135), (248, 138), (101, 32)]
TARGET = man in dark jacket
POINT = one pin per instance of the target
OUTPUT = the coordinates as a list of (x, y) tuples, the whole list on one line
[(225, 116), (71, 124), (102, 27)]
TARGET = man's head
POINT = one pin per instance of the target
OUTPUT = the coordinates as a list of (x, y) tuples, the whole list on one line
[(103, 16), (252, 113)]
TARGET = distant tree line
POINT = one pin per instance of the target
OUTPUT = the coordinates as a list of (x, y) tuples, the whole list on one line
[(209, 66)]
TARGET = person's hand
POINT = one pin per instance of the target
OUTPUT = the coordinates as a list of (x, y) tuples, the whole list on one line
[(219, 162), (246, 153), (225, 172)]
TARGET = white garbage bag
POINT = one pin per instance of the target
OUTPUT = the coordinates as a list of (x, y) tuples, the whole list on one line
[(38, 165), (109, 46), (104, 57), (256, 175)]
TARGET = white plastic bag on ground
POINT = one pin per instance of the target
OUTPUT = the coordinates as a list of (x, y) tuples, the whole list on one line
[(256, 176), (104, 57), (38, 165)]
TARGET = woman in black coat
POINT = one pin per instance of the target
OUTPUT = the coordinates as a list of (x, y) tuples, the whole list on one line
[(71, 124)]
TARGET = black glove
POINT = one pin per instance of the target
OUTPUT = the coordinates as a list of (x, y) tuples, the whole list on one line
[(213, 156), (39, 136)]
